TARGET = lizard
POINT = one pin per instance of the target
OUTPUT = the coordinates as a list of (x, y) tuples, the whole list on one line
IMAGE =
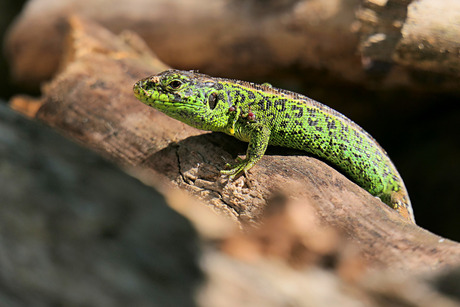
[(263, 115)]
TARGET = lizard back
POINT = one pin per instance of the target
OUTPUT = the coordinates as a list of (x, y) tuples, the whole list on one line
[(299, 122)]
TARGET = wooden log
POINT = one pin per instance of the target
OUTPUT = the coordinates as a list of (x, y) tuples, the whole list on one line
[(92, 102), (85, 233), (305, 41), (421, 35)]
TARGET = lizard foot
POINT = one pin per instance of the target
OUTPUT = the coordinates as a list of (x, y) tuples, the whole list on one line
[(241, 167)]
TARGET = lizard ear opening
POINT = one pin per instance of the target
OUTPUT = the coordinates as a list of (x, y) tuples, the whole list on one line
[(212, 101)]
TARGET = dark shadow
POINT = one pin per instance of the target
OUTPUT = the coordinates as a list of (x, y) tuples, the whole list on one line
[(92, 234)]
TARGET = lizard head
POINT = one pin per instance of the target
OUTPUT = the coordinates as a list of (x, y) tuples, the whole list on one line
[(186, 96)]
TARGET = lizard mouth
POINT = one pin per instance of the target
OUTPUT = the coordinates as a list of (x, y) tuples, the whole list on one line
[(139, 89), (142, 89), (149, 92), (139, 92)]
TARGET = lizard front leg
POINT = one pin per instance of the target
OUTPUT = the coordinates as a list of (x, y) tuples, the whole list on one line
[(258, 135)]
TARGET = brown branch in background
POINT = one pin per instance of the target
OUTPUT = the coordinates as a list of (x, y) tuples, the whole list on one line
[(399, 43), (421, 35)]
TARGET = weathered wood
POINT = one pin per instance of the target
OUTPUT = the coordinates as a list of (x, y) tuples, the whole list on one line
[(92, 101), (421, 35), (238, 38), (313, 41), (78, 231)]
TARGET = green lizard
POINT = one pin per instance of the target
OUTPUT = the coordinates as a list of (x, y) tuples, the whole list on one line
[(263, 115)]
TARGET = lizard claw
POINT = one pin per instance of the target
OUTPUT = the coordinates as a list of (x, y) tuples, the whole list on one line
[(240, 167)]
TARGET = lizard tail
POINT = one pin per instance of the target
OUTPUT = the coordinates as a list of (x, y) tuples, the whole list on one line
[(401, 203)]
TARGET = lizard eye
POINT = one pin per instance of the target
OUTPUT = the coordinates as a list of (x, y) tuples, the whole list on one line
[(175, 84)]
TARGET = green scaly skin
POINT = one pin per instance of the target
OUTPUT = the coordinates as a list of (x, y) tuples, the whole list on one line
[(263, 115)]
